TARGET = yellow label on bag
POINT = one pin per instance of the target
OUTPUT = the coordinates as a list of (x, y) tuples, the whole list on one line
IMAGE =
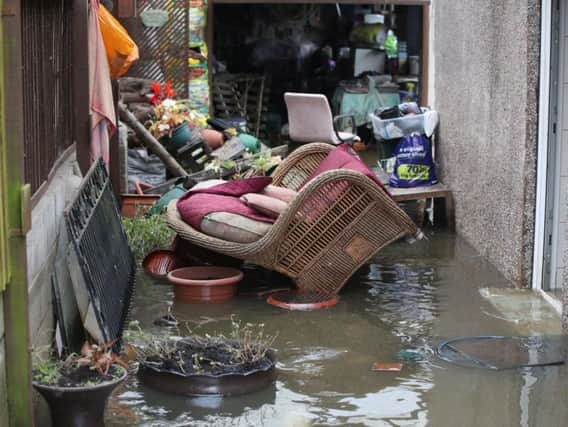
[(413, 172)]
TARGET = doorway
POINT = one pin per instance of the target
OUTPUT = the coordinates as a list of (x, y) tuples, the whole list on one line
[(556, 217)]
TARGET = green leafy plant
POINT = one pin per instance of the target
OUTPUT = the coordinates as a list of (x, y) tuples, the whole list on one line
[(146, 233), (46, 369), (94, 358)]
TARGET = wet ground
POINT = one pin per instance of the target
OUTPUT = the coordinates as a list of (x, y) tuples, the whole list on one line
[(410, 298)]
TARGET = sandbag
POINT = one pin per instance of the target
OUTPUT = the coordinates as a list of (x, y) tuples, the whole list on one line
[(414, 166)]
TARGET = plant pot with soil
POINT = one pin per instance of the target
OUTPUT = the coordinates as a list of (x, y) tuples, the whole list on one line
[(205, 284), (77, 388), (208, 365)]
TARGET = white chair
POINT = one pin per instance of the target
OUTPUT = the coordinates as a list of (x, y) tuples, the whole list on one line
[(310, 120)]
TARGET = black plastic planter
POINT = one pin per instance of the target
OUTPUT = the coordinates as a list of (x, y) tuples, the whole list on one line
[(231, 384), (78, 406)]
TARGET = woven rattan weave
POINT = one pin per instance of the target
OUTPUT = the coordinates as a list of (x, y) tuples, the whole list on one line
[(336, 223)]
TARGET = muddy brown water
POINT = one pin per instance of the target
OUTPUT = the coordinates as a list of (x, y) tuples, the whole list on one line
[(408, 298)]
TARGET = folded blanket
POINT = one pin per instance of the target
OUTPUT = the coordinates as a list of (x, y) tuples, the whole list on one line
[(195, 204)]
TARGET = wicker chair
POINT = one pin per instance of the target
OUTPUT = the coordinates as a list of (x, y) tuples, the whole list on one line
[(336, 223)]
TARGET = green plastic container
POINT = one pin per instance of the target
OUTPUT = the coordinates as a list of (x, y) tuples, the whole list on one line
[(160, 206), (251, 143)]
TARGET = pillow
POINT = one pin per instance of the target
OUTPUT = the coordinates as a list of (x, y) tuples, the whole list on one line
[(280, 193), (340, 158), (207, 184), (236, 187), (233, 227), (268, 206)]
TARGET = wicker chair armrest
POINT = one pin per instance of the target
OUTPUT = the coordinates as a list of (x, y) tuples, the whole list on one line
[(320, 186), (300, 212), (299, 165)]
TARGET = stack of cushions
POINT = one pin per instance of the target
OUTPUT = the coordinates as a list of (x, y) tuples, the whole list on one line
[(246, 224), (243, 211)]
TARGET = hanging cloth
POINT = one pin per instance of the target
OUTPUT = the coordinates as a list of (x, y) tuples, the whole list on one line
[(103, 115)]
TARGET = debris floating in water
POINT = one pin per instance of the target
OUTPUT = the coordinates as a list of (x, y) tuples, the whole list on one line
[(410, 356), (387, 367)]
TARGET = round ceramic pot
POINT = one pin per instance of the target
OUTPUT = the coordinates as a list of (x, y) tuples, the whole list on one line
[(78, 406), (205, 284), (180, 136), (207, 384), (159, 263), (137, 204), (213, 138)]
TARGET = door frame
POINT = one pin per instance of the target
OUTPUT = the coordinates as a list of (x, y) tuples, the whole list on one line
[(546, 164), (425, 48), (543, 144)]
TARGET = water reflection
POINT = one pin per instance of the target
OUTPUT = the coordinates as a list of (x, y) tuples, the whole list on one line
[(408, 295)]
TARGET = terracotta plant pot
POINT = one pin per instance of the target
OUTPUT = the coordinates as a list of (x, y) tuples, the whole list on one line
[(205, 284), (214, 139), (137, 204), (78, 406), (159, 263)]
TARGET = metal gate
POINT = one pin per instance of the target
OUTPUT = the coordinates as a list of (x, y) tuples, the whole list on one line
[(47, 84), (164, 50)]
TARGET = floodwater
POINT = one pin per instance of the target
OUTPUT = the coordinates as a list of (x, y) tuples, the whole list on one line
[(410, 298)]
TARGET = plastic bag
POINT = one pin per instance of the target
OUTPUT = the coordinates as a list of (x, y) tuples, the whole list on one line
[(120, 48), (414, 166)]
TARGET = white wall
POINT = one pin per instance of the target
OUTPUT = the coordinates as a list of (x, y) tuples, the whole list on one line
[(47, 217)]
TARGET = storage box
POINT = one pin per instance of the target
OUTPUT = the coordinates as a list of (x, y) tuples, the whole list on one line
[(403, 126)]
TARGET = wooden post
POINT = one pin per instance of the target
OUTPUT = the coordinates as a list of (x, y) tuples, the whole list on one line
[(424, 58), (18, 375), (149, 141), (81, 93), (114, 154)]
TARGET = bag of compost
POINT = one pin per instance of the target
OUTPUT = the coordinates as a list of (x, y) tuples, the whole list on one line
[(414, 166)]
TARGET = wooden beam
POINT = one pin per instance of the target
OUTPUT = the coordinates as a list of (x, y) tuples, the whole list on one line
[(149, 141), (394, 2), (18, 363), (425, 56), (125, 8), (81, 93), (210, 42)]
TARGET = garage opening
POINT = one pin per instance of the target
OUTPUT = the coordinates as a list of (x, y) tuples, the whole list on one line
[(261, 51)]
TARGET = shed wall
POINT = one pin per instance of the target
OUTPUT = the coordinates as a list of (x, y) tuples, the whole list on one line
[(486, 81)]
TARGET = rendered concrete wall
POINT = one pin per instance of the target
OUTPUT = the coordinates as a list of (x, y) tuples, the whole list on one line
[(47, 217), (486, 56)]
